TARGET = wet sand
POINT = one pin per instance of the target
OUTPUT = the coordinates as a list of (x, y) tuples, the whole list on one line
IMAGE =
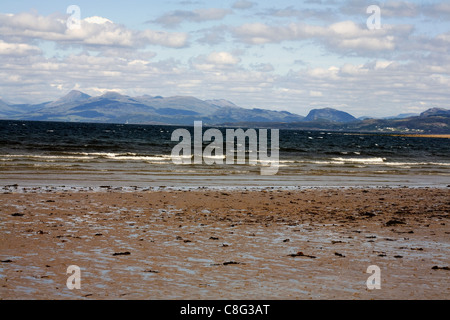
[(226, 244)]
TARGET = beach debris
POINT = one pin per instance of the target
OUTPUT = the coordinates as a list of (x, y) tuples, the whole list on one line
[(231, 262), (301, 254), (151, 271), (398, 256), (121, 253), (6, 261), (400, 232), (17, 214), (339, 254), (368, 214), (226, 263), (440, 268), (213, 238), (286, 240), (380, 253), (393, 222)]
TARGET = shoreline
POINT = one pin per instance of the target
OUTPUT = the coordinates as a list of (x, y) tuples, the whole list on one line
[(202, 244), (15, 188), (442, 136)]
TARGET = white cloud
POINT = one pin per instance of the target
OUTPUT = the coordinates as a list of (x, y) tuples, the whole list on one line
[(211, 14), (438, 10), (18, 49), (174, 18), (376, 88), (54, 23), (214, 35), (345, 36), (322, 13), (263, 67), (97, 20), (166, 39), (399, 8), (222, 58), (215, 61), (243, 4), (261, 33), (313, 93), (93, 31)]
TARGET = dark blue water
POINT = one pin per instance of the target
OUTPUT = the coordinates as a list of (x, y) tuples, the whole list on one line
[(83, 153)]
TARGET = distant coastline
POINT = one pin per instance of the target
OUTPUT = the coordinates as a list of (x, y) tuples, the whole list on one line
[(112, 107), (442, 136)]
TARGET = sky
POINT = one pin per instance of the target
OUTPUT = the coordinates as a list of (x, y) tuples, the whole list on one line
[(368, 58)]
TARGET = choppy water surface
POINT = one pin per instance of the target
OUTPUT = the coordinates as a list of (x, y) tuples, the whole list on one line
[(51, 153)]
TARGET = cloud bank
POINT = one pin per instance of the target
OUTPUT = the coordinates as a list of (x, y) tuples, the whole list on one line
[(294, 57)]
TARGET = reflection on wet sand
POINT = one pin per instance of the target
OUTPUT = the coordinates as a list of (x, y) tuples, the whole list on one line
[(226, 244)]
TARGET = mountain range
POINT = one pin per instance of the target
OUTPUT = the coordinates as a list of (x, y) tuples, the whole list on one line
[(113, 107)]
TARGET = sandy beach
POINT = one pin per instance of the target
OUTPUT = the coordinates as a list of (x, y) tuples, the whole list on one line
[(313, 243)]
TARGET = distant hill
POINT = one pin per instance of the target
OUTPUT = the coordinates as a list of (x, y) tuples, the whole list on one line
[(329, 114), (5, 109), (113, 107), (435, 112), (429, 122), (403, 115), (73, 96)]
